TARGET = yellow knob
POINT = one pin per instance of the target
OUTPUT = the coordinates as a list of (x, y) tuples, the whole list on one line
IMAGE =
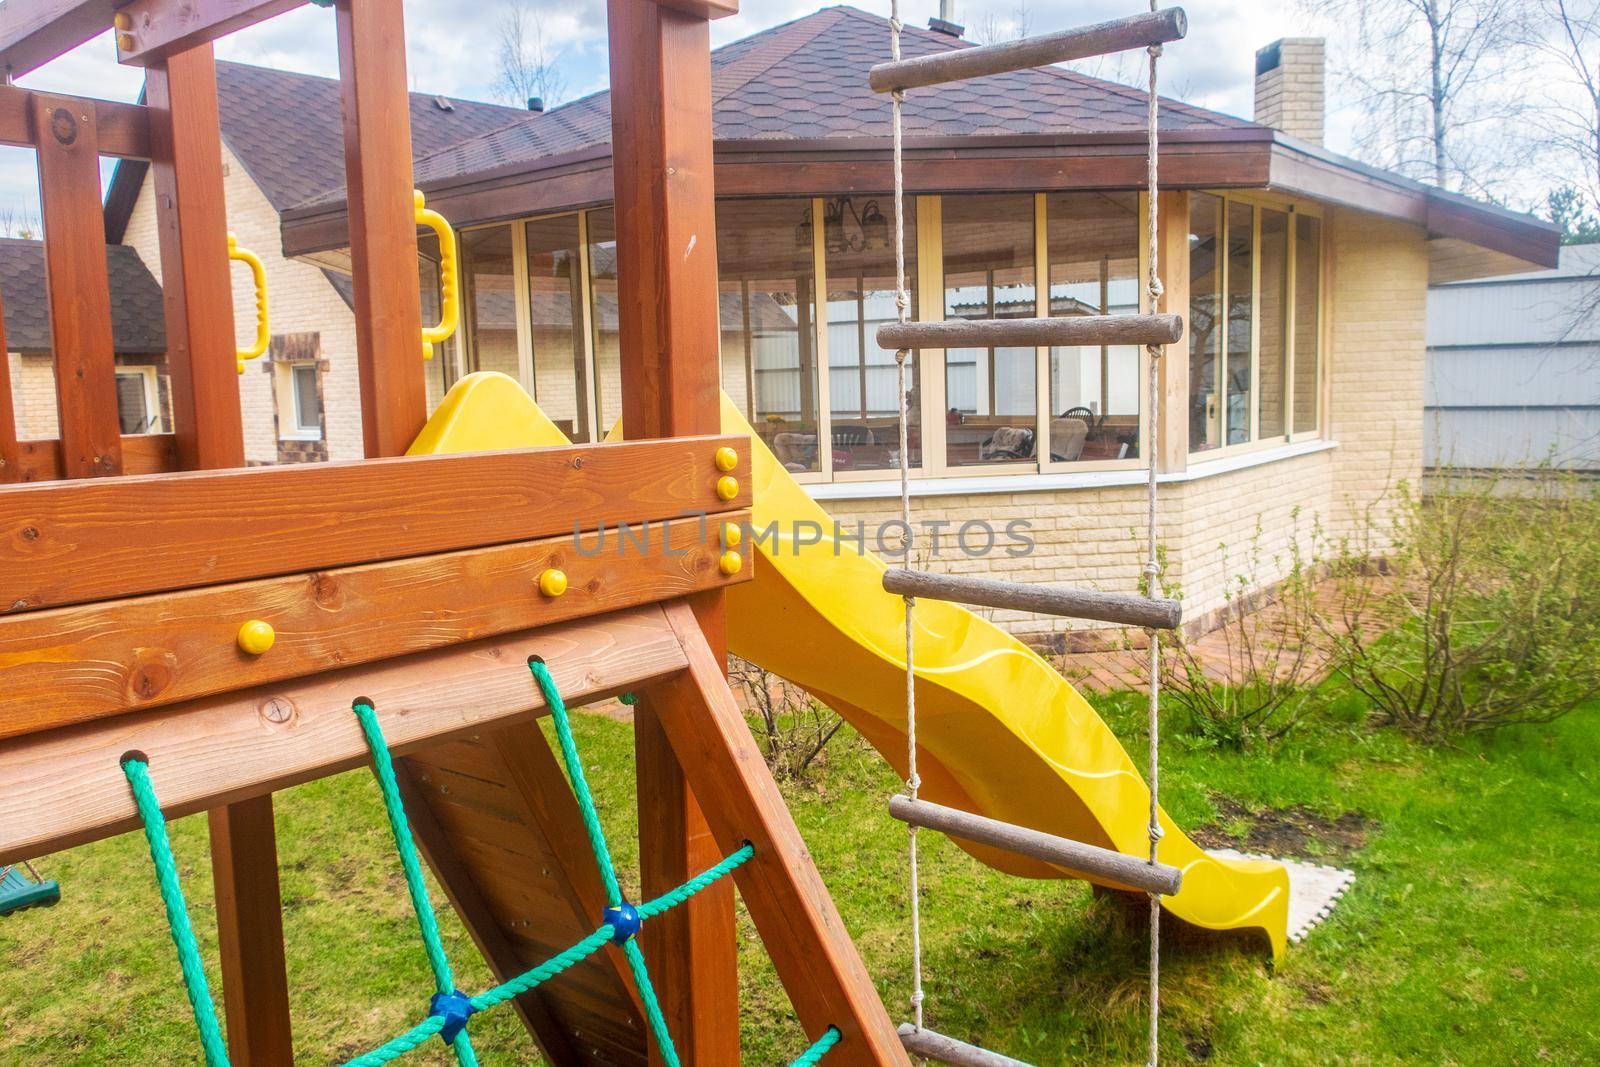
[(727, 487), (731, 535), (122, 20), (726, 458), (730, 563), (553, 582), (256, 636)]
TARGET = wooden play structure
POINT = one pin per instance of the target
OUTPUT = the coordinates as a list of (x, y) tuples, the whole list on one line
[(180, 634), (187, 635)]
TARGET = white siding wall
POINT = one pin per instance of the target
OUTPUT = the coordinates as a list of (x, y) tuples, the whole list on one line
[(1514, 368)]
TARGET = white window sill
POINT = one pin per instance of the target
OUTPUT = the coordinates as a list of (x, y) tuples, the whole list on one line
[(315, 435), (1038, 483)]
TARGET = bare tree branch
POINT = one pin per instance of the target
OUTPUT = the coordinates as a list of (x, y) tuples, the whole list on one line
[(527, 67)]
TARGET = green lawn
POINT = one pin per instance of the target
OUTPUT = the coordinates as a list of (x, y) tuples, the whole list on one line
[(1470, 936)]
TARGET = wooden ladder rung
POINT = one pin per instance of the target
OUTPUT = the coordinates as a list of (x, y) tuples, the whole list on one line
[(1127, 609), (1061, 851), (1103, 38), (1062, 331), (930, 1044)]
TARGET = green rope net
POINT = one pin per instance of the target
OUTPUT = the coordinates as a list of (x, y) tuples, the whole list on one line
[(450, 1009)]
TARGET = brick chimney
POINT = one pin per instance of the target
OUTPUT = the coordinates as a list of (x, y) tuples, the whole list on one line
[(1289, 86)]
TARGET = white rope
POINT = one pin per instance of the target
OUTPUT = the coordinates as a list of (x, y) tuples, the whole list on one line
[(1152, 567), (902, 301)]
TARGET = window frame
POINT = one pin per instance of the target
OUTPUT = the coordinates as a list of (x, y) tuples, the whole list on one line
[(150, 377), (1292, 210)]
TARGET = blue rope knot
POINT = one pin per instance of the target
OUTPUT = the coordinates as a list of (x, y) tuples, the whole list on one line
[(455, 1009), (624, 921)]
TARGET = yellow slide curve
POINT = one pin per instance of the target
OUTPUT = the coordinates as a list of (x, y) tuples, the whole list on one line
[(1000, 731)]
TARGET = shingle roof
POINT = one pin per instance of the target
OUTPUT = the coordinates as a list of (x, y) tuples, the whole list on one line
[(138, 322), (807, 79), (287, 130)]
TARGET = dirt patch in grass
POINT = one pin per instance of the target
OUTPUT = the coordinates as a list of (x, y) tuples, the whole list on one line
[(1294, 831)]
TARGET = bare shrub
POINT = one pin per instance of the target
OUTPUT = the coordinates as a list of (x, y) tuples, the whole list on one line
[(1249, 680), (791, 727), (1489, 617)]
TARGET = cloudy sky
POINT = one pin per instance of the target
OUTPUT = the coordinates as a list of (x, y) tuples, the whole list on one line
[(452, 47)]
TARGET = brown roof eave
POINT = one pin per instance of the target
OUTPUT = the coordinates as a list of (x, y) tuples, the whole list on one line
[(1305, 169), (1248, 157)]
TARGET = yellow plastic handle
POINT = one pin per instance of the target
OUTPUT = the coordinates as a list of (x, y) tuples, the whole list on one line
[(258, 275), (449, 277)]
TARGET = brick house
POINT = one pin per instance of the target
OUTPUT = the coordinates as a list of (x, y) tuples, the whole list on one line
[(1303, 275), (138, 336)]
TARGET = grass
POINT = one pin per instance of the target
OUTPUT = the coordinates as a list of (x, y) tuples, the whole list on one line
[(1470, 936)]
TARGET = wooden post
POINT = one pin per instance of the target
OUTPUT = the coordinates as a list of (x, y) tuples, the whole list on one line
[(78, 285), (798, 923), (191, 221), (383, 229), (1173, 233), (668, 334), (191, 218)]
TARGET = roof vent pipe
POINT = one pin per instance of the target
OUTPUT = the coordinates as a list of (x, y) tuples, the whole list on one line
[(535, 103), (946, 22)]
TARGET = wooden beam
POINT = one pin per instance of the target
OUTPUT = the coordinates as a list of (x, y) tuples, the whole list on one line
[(158, 29), (78, 286), (63, 543), (192, 224), (147, 453), (668, 334), (124, 129), (703, 9), (798, 923), (255, 983), (935, 1046), (383, 229), (33, 32), (75, 664), (1032, 333), (64, 788), (1062, 46), (1085, 860), (455, 877), (1127, 609)]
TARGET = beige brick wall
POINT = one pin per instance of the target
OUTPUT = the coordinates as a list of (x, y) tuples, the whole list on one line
[(33, 394), (1380, 288), (302, 300)]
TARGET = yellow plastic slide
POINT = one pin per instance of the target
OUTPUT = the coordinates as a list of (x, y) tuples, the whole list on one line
[(1001, 733)]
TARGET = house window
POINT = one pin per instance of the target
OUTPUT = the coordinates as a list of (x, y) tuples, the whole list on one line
[(299, 388), (766, 267), (1093, 247), (864, 379), (1254, 322), (603, 329), (990, 394), (554, 257), (138, 400), (490, 304)]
